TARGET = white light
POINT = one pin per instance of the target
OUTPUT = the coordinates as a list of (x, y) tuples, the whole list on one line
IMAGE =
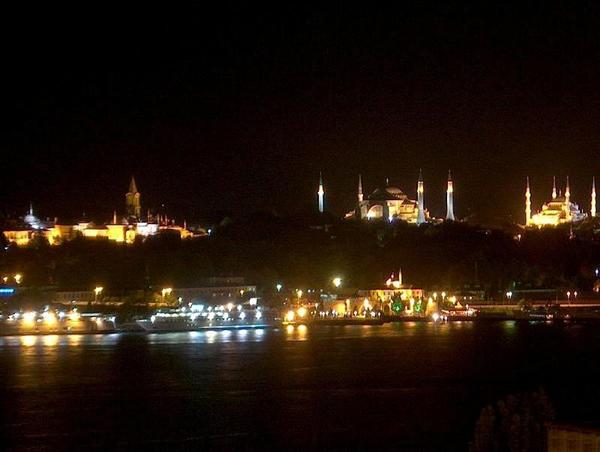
[(258, 315), (435, 316), (242, 315)]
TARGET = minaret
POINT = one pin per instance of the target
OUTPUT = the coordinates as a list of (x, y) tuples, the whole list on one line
[(321, 193), (450, 199), (553, 187), (527, 204), (567, 192), (593, 211), (420, 202), (360, 190), (30, 208), (114, 217)]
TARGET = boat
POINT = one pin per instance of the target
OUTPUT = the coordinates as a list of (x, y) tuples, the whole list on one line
[(195, 317)]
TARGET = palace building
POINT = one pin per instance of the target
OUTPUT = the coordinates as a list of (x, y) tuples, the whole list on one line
[(121, 230), (560, 209)]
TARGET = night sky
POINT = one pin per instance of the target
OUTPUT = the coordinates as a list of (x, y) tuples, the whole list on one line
[(238, 109)]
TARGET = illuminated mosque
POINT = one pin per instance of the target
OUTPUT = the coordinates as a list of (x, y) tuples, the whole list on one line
[(559, 209), (121, 230), (390, 203)]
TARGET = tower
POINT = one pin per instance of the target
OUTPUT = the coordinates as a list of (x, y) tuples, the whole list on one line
[(553, 187), (360, 190), (321, 193), (593, 211), (567, 193), (133, 205), (450, 198), (420, 201), (527, 204)]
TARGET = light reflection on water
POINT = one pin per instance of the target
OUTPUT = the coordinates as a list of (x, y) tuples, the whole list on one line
[(289, 333), (398, 379)]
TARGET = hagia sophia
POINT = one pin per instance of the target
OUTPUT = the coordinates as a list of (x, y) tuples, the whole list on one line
[(122, 229)]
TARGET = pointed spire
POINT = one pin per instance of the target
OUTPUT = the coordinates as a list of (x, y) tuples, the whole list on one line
[(114, 217), (132, 186), (321, 193), (593, 211), (553, 187), (450, 198), (360, 189), (420, 199), (30, 208), (527, 204), (567, 190), (387, 181), (184, 224), (400, 276)]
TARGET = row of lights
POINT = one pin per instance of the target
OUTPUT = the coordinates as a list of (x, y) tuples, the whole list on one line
[(337, 282)]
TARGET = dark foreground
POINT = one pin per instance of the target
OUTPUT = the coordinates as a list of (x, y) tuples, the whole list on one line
[(410, 385)]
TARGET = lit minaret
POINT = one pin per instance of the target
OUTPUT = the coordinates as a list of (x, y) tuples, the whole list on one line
[(527, 204), (450, 199), (360, 192), (321, 193), (567, 192), (553, 187), (593, 196), (421, 204)]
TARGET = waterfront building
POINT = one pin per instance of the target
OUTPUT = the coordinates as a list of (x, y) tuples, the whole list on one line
[(559, 210)]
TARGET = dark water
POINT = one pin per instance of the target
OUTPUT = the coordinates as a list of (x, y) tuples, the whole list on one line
[(413, 385)]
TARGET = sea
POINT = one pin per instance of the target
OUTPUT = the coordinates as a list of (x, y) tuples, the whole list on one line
[(401, 386)]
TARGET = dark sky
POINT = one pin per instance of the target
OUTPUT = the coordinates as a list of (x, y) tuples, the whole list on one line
[(238, 109)]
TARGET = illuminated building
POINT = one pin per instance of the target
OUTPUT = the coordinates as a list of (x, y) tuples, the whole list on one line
[(559, 210), (119, 230), (389, 203), (133, 203), (450, 198)]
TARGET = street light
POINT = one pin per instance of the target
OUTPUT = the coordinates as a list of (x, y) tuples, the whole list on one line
[(569, 296), (299, 293), (18, 278), (337, 281), (279, 286)]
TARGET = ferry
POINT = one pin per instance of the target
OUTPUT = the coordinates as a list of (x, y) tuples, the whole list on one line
[(196, 317)]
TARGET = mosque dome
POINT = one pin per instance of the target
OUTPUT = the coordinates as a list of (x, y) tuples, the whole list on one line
[(394, 190)]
